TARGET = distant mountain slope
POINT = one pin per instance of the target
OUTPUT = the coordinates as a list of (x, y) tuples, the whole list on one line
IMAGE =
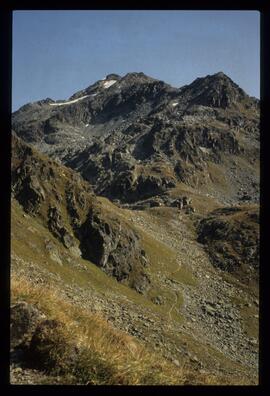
[(135, 137)]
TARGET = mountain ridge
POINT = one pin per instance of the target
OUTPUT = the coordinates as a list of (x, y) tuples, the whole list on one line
[(137, 120), (115, 76), (140, 202)]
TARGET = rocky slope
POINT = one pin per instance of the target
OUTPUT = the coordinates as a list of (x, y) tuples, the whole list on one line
[(174, 260), (134, 137), (187, 309), (69, 209), (231, 237)]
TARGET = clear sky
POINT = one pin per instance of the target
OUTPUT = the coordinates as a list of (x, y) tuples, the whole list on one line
[(56, 53)]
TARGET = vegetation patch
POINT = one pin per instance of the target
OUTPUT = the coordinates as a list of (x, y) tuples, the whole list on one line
[(85, 349)]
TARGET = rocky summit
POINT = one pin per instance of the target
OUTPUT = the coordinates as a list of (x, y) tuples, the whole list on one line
[(136, 137), (135, 234)]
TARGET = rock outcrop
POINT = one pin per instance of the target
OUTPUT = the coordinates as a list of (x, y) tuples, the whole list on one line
[(71, 212), (115, 248), (56, 226), (24, 319), (48, 343), (231, 238), (116, 127)]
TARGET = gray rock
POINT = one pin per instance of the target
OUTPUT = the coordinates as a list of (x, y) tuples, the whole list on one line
[(231, 242), (256, 302), (49, 349), (56, 226), (67, 239), (158, 300), (176, 362), (142, 121), (29, 193), (208, 309), (115, 248), (24, 319)]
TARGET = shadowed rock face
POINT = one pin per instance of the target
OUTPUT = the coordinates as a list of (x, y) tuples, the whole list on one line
[(117, 126), (231, 238), (126, 187), (47, 344), (24, 319), (113, 247), (31, 194), (68, 208), (56, 226), (217, 90)]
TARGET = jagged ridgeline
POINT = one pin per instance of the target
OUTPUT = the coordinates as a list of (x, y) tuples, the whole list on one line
[(135, 234), (135, 137)]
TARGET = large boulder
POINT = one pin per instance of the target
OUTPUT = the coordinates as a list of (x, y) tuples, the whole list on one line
[(114, 247), (50, 347), (24, 319)]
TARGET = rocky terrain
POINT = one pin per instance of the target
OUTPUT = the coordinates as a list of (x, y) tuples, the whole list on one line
[(72, 214), (136, 137), (139, 201)]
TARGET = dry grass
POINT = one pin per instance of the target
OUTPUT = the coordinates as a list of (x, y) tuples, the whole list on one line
[(93, 329), (106, 356)]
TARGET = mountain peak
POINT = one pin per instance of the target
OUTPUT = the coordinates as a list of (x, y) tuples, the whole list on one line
[(106, 130), (113, 76), (220, 74), (138, 76), (223, 79), (216, 90)]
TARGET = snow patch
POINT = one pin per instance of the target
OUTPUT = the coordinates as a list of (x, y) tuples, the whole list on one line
[(175, 104), (95, 94), (86, 125), (109, 83), (68, 102)]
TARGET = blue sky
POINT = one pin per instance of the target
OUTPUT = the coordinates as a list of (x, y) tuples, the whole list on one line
[(56, 53)]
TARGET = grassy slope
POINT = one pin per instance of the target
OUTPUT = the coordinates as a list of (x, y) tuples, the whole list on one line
[(62, 270), (110, 355), (28, 236), (107, 356)]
